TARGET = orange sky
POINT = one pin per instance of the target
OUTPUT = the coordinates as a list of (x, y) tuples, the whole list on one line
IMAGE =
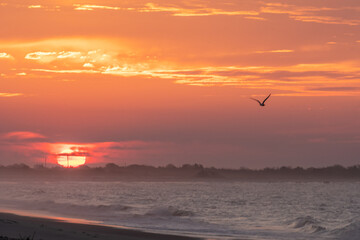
[(158, 82)]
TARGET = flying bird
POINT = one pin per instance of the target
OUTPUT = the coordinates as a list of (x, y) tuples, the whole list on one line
[(262, 104)]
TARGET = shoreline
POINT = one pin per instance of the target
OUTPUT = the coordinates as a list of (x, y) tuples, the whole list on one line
[(15, 226)]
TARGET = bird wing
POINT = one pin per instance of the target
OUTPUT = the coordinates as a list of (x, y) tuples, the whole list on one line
[(266, 98), (256, 100)]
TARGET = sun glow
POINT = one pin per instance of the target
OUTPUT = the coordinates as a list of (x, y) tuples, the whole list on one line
[(71, 154), (71, 158)]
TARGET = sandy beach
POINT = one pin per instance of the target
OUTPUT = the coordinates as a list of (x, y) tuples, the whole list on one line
[(22, 227)]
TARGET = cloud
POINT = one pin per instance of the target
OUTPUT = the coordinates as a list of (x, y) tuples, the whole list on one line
[(94, 7), (88, 65), (130, 145), (35, 6), (52, 56), (340, 89), (42, 56), (90, 57), (323, 15), (276, 51), (194, 11), (327, 20), (66, 71), (5, 55), (68, 54), (99, 152), (295, 79), (128, 70), (79, 150), (23, 136), (256, 18), (344, 14), (11, 94), (190, 11), (80, 56)]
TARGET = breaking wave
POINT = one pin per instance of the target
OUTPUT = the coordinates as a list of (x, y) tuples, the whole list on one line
[(308, 224), (169, 212), (82, 210), (348, 232), (70, 208)]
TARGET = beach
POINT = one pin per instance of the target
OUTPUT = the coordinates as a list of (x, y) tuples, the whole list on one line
[(24, 227)]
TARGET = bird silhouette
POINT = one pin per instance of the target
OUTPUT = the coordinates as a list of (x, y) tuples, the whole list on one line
[(262, 104)]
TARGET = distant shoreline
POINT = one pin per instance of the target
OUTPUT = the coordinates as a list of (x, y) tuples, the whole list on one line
[(196, 172), (14, 226)]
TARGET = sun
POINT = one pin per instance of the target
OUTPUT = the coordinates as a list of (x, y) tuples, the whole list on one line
[(71, 158), (71, 154)]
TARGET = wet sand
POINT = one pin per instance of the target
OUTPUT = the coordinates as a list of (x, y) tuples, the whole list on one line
[(21, 227)]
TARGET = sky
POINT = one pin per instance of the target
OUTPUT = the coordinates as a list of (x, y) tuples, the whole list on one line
[(160, 82)]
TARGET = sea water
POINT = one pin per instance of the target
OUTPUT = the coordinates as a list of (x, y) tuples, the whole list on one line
[(213, 210)]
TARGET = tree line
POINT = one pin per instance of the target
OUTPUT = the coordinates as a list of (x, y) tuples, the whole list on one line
[(185, 171)]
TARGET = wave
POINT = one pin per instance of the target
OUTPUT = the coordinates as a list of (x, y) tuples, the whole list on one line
[(348, 232), (66, 208), (84, 209), (169, 212), (237, 202), (308, 224)]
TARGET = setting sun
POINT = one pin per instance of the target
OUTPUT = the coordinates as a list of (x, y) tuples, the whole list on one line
[(69, 154), (71, 158)]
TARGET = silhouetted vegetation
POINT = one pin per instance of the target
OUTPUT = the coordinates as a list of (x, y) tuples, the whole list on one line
[(20, 238), (193, 172), (27, 237)]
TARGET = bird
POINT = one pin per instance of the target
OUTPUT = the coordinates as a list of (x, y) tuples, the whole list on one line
[(262, 104)]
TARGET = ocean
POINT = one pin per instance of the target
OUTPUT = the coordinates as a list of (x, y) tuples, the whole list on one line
[(212, 210)]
